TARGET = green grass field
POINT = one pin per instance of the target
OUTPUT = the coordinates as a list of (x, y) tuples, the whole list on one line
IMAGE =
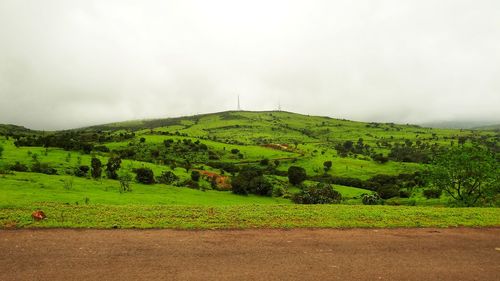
[(71, 201), (247, 216)]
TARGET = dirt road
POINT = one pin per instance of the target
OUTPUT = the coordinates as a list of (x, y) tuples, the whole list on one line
[(356, 254)]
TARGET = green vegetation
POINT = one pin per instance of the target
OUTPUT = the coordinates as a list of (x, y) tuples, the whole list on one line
[(262, 162), (248, 216), (467, 174)]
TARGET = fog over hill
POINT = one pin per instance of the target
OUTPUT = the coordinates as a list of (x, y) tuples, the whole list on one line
[(72, 64)]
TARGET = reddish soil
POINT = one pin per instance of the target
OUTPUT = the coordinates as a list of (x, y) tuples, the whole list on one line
[(222, 182), (325, 254)]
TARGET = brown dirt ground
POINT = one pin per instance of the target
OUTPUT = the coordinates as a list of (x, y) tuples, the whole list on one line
[(298, 254)]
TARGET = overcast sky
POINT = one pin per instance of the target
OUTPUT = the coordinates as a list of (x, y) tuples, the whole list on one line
[(66, 64)]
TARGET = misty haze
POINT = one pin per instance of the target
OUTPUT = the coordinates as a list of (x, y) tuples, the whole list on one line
[(80, 63)]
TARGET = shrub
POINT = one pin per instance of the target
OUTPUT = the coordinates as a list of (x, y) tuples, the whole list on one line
[(144, 175), (404, 194), (43, 168), (432, 193), (167, 177), (82, 171), (251, 180), (318, 194), (296, 175), (96, 165), (125, 180), (264, 162), (235, 151), (101, 148), (371, 199), (279, 191), (195, 175), (327, 166), (112, 167), (380, 158), (191, 184), (388, 191), (18, 167)]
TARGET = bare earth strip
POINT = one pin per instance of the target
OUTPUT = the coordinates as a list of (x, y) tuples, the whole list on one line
[(298, 254)]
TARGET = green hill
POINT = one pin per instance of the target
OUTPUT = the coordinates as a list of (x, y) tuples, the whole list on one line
[(44, 168)]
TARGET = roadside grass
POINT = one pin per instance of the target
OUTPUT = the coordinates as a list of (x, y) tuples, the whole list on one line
[(245, 216)]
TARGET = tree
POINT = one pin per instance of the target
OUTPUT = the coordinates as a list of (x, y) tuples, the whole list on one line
[(167, 177), (327, 166), (318, 194), (82, 171), (296, 175), (112, 166), (467, 174), (251, 180), (144, 175), (96, 165)]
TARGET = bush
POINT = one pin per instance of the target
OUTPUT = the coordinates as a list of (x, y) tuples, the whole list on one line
[(380, 158), (251, 180), (167, 177), (191, 184), (96, 165), (264, 162), (327, 166), (318, 194), (144, 175), (101, 148), (125, 180), (404, 194), (371, 199), (43, 168), (279, 191), (432, 193), (82, 171), (18, 167), (195, 176), (388, 191), (296, 175), (112, 167)]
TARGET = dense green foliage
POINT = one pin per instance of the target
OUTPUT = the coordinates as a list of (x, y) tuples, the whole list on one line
[(317, 194), (467, 174), (250, 180), (296, 175), (144, 175)]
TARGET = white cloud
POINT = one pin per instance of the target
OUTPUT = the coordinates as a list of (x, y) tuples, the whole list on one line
[(68, 64)]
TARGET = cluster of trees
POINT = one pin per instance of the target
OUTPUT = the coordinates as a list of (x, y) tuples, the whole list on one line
[(407, 152), (348, 147), (387, 186), (71, 140), (170, 152)]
